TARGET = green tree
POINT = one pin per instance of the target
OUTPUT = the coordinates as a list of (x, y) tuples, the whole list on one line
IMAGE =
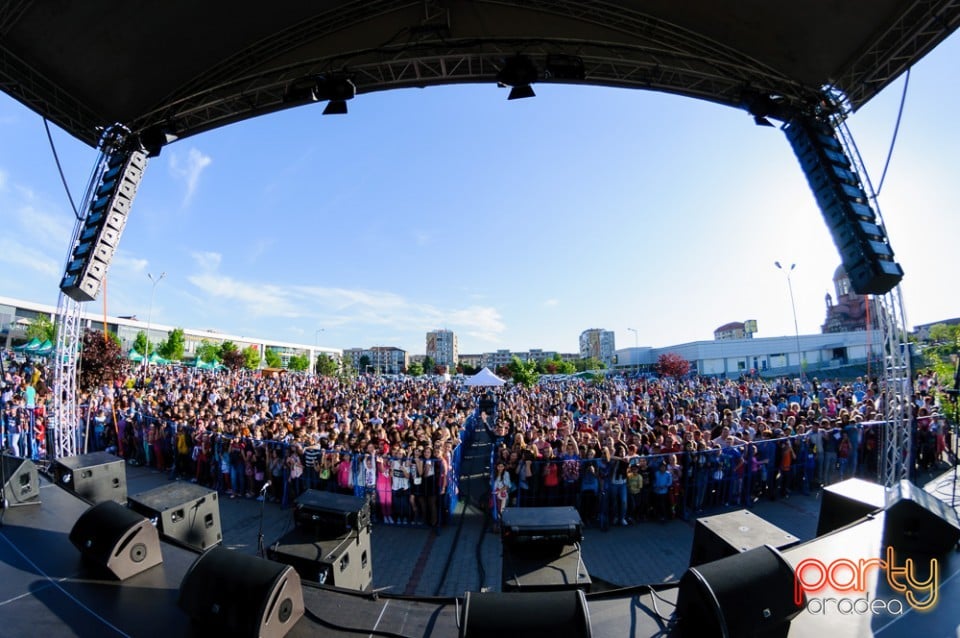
[(524, 373), (364, 363), (101, 360), (326, 366), (671, 364), (590, 363), (346, 369), (272, 358), (251, 358), (208, 352), (231, 356), (415, 369), (173, 347), (299, 362), (141, 344), (42, 328), (429, 365)]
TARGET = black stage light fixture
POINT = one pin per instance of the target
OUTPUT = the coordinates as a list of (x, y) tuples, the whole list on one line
[(759, 120), (336, 107), (518, 72), (154, 138), (520, 92), (301, 91), (337, 89)]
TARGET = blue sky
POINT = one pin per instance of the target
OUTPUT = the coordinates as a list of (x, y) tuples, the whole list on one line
[(515, 224)]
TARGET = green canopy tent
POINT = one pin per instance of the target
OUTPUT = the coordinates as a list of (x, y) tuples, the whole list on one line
[(28, 347), (46, 348), (134, 356), (156, 359)]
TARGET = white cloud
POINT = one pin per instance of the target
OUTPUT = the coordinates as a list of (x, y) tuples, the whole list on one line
[(207, 260), (130, 264), (21, 256), (339, 306), (551, 302), (189, 170), (43, 228)]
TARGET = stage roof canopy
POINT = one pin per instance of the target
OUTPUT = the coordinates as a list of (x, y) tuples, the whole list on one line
[(179, 67)]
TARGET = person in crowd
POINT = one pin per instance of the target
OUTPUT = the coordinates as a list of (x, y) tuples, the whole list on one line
[(502, 485), (662, 480)]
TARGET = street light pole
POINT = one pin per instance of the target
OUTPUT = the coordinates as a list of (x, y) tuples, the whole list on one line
[(636, 348), (793, 306), (153, 291)]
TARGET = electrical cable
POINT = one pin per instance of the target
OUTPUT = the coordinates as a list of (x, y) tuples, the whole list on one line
[(351, 630), (896, 129), (63, 179)]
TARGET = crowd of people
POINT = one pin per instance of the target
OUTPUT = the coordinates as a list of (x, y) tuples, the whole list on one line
[(396, 443), (655, 449), (621, 450)]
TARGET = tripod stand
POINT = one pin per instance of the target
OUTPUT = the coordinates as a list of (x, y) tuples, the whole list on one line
[(261, 552)]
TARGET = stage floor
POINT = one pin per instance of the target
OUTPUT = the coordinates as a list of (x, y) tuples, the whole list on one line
[(45, 590)]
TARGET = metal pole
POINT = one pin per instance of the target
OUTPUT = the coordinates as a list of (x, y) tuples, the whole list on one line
[(793, 307), (636, 348), (153, 292)]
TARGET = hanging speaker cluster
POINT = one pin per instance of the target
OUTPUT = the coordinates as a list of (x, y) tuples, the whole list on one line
[(103, 225), (857, 233)]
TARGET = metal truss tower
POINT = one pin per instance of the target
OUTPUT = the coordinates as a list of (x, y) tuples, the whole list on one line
[(66, 419), (897, 374)]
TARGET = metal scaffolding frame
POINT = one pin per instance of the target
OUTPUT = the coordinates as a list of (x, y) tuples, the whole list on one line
[(66, 420)]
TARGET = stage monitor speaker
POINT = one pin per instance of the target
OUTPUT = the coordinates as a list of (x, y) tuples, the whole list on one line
[(543, 568), (232, 594), (746, 595), (328, 515), (95, 477), (716, 537), (345, 561), (111, 537), (21, 483), (184, 513), (847, 502), (562, 614), (918, 522), (555, 526)]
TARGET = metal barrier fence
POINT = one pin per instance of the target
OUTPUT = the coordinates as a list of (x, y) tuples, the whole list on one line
[(634, 489), (400, 489)]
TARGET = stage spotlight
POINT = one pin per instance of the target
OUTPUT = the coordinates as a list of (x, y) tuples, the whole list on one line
[(337, 89), (153, 139), (336, 107), (759, 120), (518, 72), (520, 92)]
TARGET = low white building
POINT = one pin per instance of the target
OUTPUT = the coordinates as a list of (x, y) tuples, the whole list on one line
[(767, 356)]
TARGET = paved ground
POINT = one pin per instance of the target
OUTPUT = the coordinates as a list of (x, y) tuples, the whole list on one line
[(466, 556)]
